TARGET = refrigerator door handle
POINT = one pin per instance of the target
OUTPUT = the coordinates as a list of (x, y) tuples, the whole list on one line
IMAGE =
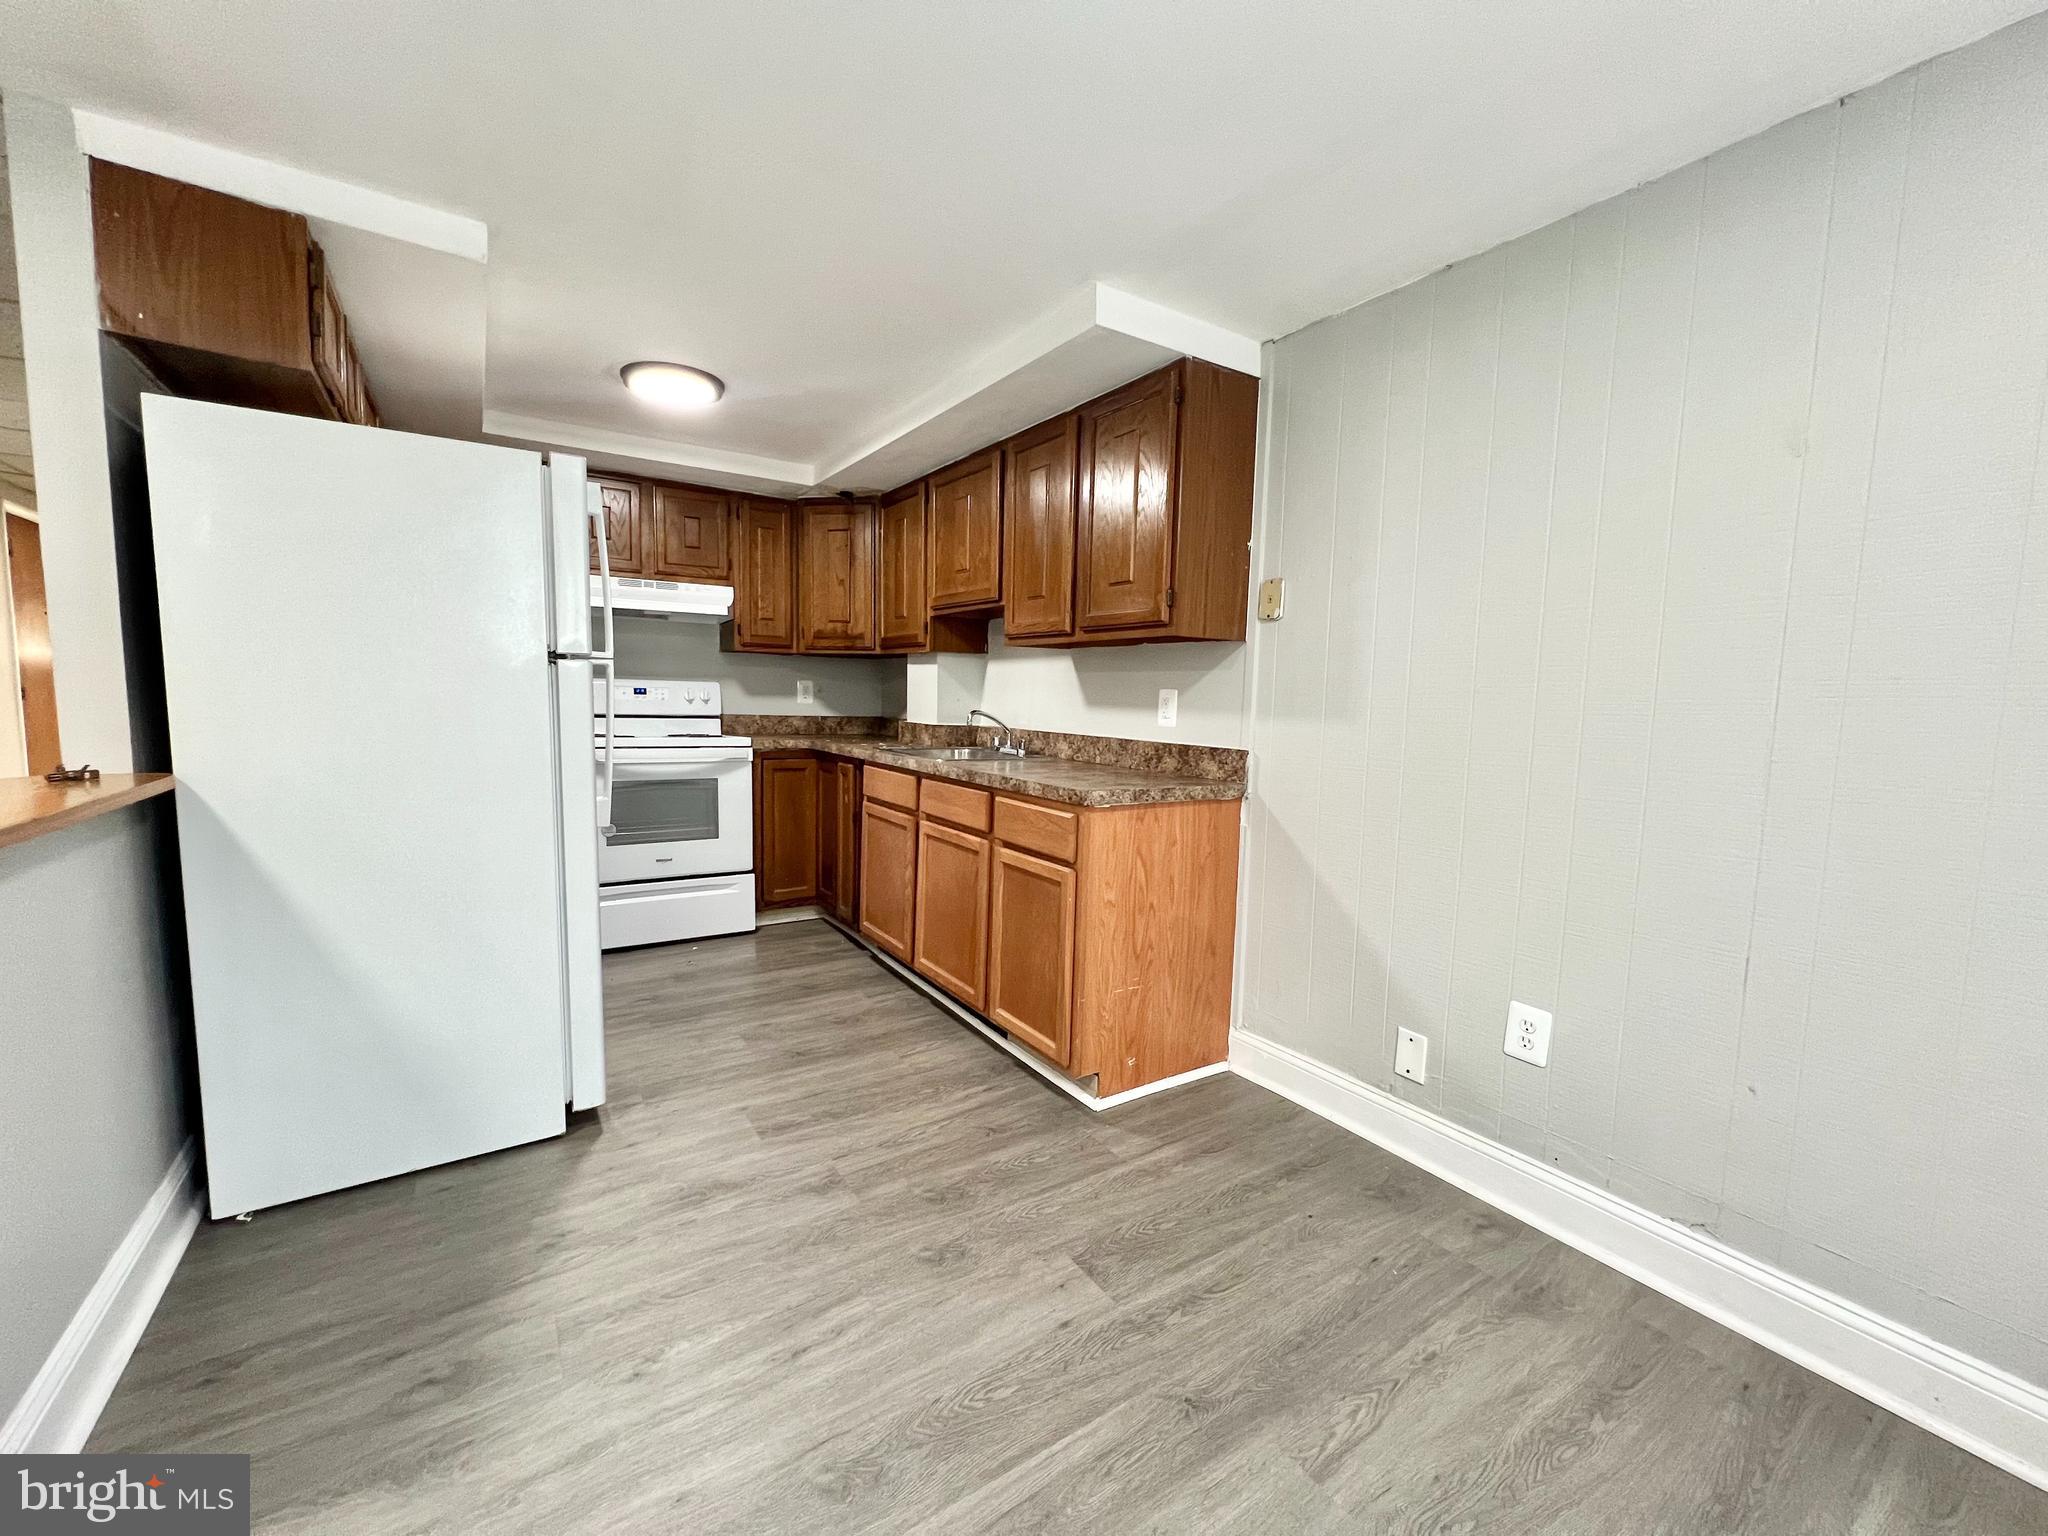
[(604, 658), (604, 571)]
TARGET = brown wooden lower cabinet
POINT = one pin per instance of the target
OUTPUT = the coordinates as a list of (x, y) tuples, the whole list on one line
[(1099, 938), (785, 829), (951, 943), (839, 838), (1031, 951), (888, 877)]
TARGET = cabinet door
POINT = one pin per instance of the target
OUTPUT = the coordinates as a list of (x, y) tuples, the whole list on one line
[(1038, 530), (689, 533), (830, 873), (330, 332), (964, 534), (786, 829), (952, 910), (904, 617), (846, 832), (622, 524), (1126, 505), (1031, 950), (888, 877), (764, 583), (836, 576)]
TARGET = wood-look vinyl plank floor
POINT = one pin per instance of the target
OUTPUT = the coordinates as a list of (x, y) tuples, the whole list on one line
[(828, 1261)]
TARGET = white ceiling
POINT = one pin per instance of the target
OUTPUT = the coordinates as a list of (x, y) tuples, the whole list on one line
[(839, 206)]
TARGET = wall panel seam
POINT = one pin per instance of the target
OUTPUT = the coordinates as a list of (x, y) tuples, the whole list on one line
[(1500, 310), (1784, 633), (1408, 672), (1379, 571), (1657, 664), (1827, 856), (1564, 351)]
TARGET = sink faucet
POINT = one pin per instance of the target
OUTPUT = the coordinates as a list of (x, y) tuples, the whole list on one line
[(1005, 743)]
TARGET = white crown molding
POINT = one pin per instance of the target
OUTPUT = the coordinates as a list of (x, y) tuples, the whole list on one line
[(1988, 1412), (278, 185)]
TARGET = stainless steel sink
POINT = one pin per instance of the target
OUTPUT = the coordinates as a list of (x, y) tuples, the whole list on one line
[(960, 754)]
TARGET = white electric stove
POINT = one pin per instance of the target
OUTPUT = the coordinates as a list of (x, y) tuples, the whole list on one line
[(675, 806)]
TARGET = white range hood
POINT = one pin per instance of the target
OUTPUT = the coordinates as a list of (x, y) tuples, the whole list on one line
[(665, 599)]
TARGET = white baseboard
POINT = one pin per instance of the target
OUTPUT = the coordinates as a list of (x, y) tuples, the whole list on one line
[(63, 1403), (1044, 1069), (1988, 1412)]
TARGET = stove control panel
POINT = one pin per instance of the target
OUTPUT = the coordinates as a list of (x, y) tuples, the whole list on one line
[(658, 696)]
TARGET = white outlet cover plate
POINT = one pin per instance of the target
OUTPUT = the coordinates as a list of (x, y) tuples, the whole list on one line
[(806, 692), (1528, 1034), (1411, 1056), (1169, 705)]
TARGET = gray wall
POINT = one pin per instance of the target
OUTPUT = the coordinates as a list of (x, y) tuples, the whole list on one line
[(1113, 690), (764, 685), (91, 1103), (1667, 645)]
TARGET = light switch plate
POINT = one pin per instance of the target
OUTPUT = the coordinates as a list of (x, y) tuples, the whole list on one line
[(1528, 1034), (1270, 595), (806, 691), (1411, 1056), (1169, 705)]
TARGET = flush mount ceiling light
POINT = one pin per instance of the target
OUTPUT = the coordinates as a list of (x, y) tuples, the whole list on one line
[(672, 386)]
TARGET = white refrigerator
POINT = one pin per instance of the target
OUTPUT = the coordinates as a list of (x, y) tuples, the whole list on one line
[(378, 660)]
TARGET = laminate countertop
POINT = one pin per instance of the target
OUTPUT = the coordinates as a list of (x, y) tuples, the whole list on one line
[(31, 807), (1066, 780)]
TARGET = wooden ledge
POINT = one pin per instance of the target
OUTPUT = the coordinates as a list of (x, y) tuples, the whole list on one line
[(31, 807)]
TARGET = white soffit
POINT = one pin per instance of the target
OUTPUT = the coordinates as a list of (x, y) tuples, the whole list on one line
[(417, 316), (413, 282), (1098, 339), (279, 186)]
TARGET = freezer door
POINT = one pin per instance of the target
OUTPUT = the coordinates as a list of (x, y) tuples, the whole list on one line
[(569, 535), (363, 724)]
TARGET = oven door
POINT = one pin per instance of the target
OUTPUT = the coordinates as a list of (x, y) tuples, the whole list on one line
[(677, 811)]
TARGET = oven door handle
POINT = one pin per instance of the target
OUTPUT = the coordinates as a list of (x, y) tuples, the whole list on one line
[(702, 765)]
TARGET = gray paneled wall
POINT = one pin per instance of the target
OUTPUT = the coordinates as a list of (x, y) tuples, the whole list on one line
[(1667, 645), (92, 1032)]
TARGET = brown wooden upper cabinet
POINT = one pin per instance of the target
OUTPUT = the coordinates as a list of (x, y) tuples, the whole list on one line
[(764, 575), (625, 525), (964, 534), (1038, 530), (225, 299), (688, 528), (836, 575), (903, 616), (1163, 506)]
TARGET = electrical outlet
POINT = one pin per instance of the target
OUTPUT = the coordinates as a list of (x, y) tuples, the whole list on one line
[(1528, 1034), (806, 692), (1271, 592), (1169, 705), (1411, 1056)]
